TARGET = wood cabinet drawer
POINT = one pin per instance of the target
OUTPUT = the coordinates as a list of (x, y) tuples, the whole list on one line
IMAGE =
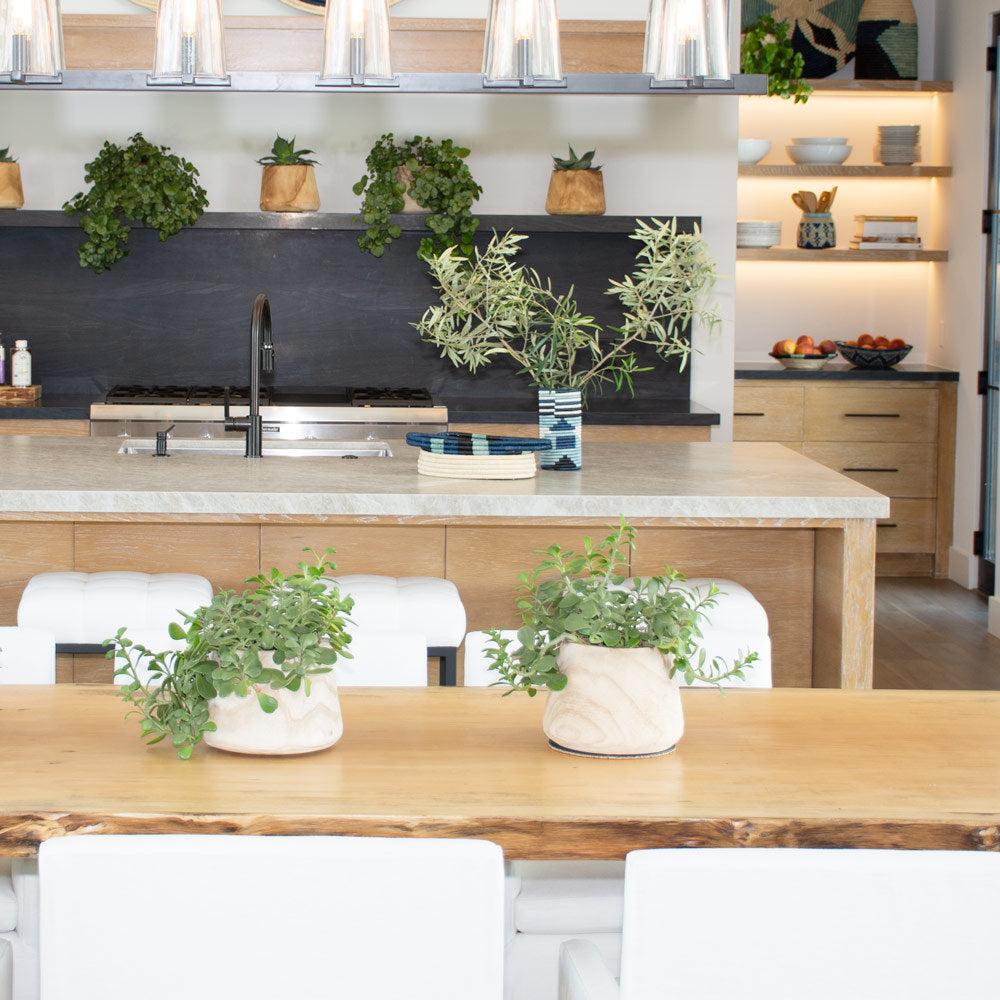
[(868, 414), (910, 527), (767, 413), (897, 470)]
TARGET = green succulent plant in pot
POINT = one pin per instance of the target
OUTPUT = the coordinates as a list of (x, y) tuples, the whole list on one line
[(288, 182), (253, 673), (11, 192), (417, 175), (139, 182), (491, 308), (576, 186), (766, 48), (611, 649)]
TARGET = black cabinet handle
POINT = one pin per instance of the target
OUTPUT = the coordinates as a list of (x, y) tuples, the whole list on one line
[(863, 469), (875, 416), (735, 414), (888, 524)]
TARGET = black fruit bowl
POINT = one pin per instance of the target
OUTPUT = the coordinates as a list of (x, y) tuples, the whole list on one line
[(873, 358)]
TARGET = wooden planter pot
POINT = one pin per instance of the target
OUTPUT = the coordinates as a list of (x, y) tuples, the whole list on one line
[(11, 192), (575, 192), (289, 188)]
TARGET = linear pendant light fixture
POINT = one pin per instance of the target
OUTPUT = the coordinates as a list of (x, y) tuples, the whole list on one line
[(522, 44), (188, 46), (687, 43), (31, 36), (356, 44)]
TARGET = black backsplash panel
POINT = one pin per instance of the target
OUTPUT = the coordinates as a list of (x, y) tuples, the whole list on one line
[(179, 311)]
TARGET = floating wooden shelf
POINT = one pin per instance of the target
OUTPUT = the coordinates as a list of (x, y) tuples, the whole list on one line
[(859, 170), (882, 87), (854, 256)]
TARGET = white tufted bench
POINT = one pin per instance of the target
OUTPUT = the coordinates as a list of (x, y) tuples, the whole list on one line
[(425, 605), (559, 900), (85, 610)]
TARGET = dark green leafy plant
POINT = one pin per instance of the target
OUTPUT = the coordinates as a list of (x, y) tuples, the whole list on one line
[(4, 158), (284, 154), (574, 162), (768, 49), (299, 619), (439, 180), (138, 183), (588, 598), (492, 308)]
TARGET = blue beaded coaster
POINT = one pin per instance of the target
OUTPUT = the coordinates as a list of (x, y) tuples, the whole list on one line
[(462, 443)]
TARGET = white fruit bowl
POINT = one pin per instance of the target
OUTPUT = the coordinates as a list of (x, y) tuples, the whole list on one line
[(752, 150), (819, 140), (829, 154)]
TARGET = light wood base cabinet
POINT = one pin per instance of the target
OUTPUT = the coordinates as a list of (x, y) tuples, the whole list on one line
[(895, 437)]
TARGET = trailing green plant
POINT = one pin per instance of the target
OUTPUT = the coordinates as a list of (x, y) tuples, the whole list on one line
[(436, 177), (300, 619), (767, 49), (492, 308), (284, 154), (574, 162), (4, 158), (138, 183), (588, 598)]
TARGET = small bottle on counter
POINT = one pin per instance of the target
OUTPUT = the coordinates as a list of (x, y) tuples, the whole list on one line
[(3, 364), (20, 365)]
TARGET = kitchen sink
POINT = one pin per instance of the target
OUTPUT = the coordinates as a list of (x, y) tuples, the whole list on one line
[(272, 449)]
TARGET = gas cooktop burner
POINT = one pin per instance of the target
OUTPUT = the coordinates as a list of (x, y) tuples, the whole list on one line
[(181, 395)]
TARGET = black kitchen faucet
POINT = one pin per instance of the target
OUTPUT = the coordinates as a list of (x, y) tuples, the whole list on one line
[(261, 360)]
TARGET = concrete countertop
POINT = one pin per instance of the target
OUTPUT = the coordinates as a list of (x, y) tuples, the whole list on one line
[(842, 371), (66, 476)]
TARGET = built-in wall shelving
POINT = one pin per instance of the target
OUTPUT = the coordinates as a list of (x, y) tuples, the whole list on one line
[(835, 255), (842, 170)]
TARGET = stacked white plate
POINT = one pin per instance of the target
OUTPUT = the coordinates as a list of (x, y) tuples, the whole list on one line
[(819, 150), (898, 144), (758, 233)]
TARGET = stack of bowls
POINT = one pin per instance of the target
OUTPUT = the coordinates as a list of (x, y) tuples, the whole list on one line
[(752, 150), (898, 144), (818, 151), (758, 233)]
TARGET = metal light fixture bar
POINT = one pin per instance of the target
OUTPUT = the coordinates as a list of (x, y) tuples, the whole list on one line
[(609, 84)]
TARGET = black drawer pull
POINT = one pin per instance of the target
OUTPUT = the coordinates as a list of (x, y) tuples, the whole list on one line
[(749, 414), (863, 469), (875, 416), (886, 525)]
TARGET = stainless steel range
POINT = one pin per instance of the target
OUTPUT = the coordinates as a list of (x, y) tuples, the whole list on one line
[(292, 414)]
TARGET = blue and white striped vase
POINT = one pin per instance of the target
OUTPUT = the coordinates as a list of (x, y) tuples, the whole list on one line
[(559, 422)]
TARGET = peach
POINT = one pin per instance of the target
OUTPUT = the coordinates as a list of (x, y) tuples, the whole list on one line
[(805, 339), (784, 347), (882, 342), (866, 340), (828, 347), (897, 344)]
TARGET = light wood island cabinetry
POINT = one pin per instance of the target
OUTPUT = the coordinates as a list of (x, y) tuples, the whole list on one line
[(897, 437)]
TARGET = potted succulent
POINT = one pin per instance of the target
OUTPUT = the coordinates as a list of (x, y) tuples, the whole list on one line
[(609, 649), (254, 673), (767, 49), (419, 174), (136, 183), (576, 186), (288, 183), (492, 308), (11, 192)]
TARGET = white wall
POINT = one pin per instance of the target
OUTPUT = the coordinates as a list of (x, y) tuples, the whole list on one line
[(662, 155), (963, 34)]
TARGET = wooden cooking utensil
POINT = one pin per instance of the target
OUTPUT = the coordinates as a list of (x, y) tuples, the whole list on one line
[(833, 194), (810, 199), (799, 201), (824, 202)]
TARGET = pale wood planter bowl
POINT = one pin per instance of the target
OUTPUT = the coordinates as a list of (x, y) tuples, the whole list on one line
[(11, 192), (616, 703), (575, 192), (289, 188)]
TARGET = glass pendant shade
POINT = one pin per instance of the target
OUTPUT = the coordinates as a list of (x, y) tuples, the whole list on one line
[(356, 41), (31, 35), (687, 40), (189, 40), (522, 41)]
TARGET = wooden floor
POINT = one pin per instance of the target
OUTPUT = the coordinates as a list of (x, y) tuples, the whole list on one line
[(931, 634)]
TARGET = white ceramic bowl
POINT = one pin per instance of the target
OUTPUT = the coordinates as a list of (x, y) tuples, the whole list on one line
[(819, 140), (819, 155), (752, 150)]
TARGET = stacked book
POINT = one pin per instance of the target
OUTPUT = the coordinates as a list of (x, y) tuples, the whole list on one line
[(886, 232)]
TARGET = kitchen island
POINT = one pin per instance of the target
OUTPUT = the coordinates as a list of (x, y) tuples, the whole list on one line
[(798, 535)]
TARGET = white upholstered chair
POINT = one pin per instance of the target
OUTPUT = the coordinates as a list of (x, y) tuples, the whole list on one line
[(27, 656), (760, 923), (263, 917), (557, 900), (383, 659)]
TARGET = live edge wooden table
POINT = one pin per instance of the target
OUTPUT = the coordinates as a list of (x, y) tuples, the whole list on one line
[(777, 768)]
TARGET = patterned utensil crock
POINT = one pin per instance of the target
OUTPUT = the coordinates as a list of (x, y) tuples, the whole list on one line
[(559, 422), (817, 231)]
